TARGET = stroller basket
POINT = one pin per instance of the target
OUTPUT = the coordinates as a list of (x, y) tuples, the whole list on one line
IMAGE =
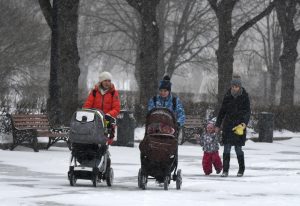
[(159, 148)]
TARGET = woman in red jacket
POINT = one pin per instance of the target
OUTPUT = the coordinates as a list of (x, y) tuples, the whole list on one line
[(104, 97)]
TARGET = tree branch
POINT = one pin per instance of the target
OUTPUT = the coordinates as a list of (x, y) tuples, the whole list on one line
[(251, 22), (180, 32), (135, 4), (213, 4), (195, 53), (117, 57), (47, 11), (129, 23), (113, 22)]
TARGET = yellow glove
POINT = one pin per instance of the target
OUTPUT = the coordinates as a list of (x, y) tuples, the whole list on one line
[(239, 130), (106, 122)]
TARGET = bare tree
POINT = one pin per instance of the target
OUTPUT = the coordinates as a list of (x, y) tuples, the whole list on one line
[(272, 41), (190, 30), (23, 52), (186, 32), (286, 11), (62, 18), (229, 39), (275, 66), (146, 70), (109, 34), (265, 41)]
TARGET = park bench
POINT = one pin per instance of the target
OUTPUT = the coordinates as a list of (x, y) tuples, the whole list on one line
[(28, 127), (194, 124)]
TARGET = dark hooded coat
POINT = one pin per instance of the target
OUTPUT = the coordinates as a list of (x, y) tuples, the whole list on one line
[(234, 111)]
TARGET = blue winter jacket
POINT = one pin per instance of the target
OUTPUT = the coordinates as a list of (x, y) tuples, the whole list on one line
[(168, 103)]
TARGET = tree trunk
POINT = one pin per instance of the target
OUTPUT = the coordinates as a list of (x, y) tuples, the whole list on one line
[(286, 10), (139, 109), (265, 86), (225, 70), (54, 100), (68, 26), (161, 70), (274, 73), (138, 51), (148, 51), (84, 45), (62, 18), (288, 62), (82, 82), (225, 52)]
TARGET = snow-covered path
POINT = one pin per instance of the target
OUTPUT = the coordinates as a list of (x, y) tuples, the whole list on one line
[(272, 177)]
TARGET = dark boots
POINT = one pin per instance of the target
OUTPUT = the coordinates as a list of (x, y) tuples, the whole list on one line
[(241, 162), (226, 161)]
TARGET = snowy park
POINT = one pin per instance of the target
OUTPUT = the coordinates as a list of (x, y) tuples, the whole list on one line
[(161, 84), (272, 177)]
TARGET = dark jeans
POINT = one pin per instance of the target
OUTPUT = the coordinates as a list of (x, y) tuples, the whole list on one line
[(238, 149)]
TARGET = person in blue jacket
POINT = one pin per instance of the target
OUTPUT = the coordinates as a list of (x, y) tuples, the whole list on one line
[(165, 99)]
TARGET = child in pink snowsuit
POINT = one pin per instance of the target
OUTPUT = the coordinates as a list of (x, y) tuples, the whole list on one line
[(210, 143)]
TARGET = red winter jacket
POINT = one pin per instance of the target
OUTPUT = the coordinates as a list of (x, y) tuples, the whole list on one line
[(109, 103)]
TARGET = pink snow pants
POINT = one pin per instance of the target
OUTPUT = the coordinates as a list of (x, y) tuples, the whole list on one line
[(211, 159)]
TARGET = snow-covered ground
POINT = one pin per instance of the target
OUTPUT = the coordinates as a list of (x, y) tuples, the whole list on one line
[(272, 177)]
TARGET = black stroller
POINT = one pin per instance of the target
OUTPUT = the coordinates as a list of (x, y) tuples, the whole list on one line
[(90, 158), (159, 149)]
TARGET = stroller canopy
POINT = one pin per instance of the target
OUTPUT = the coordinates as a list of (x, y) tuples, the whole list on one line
[(161, 121), (87, 126)]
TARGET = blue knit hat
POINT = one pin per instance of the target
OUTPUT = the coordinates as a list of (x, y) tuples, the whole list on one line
[(165, 83), (236, 80)]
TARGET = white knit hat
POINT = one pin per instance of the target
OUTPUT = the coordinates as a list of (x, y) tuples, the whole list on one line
[(105, 76)]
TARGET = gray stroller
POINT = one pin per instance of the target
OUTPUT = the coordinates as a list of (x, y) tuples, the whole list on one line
[(90, 158)]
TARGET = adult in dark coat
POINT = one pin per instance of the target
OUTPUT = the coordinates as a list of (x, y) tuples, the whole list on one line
[(235, 111)]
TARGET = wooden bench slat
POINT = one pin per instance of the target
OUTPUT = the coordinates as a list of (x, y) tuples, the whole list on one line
[(32, 124), (29, 116), (197, 124), (192, 126), (193, 122), (35, 127), (30, 120)]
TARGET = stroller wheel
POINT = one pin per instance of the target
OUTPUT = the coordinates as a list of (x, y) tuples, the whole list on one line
[(72, 179), (108, 163), (166, 182), (69, 144), (140, 178), (95, 177), (109, 176), (144, 182), (95, 181), (181, 138), (178, 180)]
